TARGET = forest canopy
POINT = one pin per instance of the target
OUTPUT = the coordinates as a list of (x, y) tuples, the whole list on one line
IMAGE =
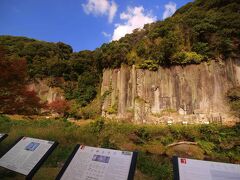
[(199, 31)]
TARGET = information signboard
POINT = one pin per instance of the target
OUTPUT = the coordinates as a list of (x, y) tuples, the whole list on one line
[(27, 155), (185, 169), (88, 162), (2, 136)]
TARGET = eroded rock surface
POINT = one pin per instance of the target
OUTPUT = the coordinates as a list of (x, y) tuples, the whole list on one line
[(196, 93), (45, 92)]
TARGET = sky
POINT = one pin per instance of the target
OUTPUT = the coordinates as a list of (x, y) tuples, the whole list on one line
[(83, 24)]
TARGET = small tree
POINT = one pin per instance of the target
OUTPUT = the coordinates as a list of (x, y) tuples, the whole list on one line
[(59, 106), (30, 103)]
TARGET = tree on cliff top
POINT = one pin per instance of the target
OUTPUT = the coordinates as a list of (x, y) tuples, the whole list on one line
[(14, 97), (198, 31)]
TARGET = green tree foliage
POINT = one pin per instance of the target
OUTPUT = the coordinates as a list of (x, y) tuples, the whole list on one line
[(233, 96), (187, 58), (85, 71), (112, 55), (203, 29), (86, 88), (64, 50), (201, 48), (81, 70), (148, 64), (199, 30), (43, 58)]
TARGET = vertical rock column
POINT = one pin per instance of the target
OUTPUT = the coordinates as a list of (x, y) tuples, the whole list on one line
[(106, 86), (123, 91)]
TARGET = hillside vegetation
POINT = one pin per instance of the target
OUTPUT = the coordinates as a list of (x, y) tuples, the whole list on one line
[(217, 143), (197, 32)]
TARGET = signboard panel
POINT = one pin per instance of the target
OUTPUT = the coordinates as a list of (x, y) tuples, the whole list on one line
[(27, 155), (3, 136), (185, 169), (98, 163)]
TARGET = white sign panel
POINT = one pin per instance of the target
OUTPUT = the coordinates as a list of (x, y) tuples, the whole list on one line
[(198, 170), (2, 136), (26, 154), (98, 164)]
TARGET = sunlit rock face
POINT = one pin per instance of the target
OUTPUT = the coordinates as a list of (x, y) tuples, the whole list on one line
[(45, 91), (179, 94)]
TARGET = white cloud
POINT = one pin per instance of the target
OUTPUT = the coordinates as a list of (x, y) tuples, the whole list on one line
[(170, 9), (101, 7), (106, 34), (112, 11), (134, 18)]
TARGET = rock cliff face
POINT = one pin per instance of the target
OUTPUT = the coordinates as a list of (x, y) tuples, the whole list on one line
[(45, 92), (189, 94)]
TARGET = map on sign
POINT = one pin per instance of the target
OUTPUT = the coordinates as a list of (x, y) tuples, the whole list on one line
[(99, 164), (185, 169), (26, 155), (2, 136)]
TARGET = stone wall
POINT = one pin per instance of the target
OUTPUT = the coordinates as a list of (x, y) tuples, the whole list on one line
[(179, 94)]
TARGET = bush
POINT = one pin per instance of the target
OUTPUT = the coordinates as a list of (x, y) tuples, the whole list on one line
[(113, 109), (177, 131), (59, 106), (87, 90), (157, 168), (209, 133), (148, 64), (89, 113), (190, 133), (206, 146), (233, 96), (97, 126), (143, 134), (187, 58), (92, 110), (201, 48), (74, 109), (167, 140), (107, 143)]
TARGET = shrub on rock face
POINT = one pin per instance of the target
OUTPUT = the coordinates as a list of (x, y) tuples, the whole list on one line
[(187, 58), (233, 96), (149, 64)]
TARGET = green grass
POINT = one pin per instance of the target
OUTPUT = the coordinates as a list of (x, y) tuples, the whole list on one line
[(219, 143)]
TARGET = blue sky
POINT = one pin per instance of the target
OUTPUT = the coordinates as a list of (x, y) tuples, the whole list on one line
[(83, 24)]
